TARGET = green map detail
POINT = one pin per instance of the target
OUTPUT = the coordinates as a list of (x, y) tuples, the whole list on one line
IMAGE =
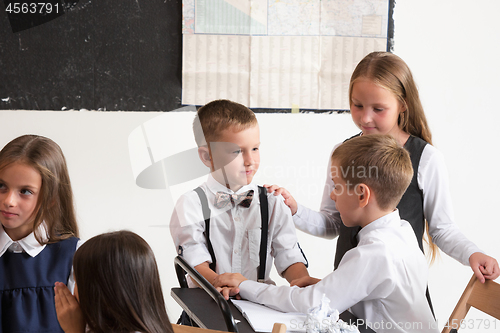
[(219, 17)]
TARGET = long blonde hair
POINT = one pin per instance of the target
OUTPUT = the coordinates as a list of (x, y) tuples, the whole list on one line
[(390, 72), (55, 203)]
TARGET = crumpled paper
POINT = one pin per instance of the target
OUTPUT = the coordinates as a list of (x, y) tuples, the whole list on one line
[(322, 319)]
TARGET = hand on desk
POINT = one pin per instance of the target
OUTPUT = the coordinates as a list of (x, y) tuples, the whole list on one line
[(304, 281), (227, 284), (229, 292)]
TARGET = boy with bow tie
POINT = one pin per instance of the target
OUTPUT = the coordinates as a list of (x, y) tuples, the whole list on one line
[(229, 224)]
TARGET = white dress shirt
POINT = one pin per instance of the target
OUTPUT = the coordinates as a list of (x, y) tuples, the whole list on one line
[(235, 232), (383, 280), (30, 245), (432, 179)]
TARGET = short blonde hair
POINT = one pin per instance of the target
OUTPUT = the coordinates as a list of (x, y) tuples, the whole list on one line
[(379, 162), (216, 116)]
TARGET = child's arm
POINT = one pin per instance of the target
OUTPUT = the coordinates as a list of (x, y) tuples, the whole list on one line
[(304, 281), (71, 280), (323, 223), (342, 287), (289, 200), (438, 210), (295, 271), (68, 310), (206, 272), (289, 259), (211, 277), (187, 228), (227, 284), (484, 266)]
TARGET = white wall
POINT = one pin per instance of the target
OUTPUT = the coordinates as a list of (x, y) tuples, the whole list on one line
[(452, 48)]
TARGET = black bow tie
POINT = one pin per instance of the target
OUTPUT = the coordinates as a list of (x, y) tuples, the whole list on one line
[(244, 199)]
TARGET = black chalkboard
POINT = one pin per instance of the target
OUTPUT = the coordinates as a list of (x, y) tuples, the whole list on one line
[(96, 55)]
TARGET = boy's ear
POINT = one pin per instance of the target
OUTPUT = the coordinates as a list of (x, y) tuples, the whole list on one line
[(364, 194), (204, 155)]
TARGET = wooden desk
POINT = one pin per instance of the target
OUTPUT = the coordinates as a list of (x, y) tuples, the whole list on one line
[(205, 312)]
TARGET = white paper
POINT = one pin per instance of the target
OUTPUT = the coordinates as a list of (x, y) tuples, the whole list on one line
[(262, 318)]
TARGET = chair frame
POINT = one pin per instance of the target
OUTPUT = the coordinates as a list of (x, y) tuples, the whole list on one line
[(182, 267), (482, 296)]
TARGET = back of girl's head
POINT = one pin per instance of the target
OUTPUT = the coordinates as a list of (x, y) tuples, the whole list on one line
[(390, 72), (55, 202), (119, 285)]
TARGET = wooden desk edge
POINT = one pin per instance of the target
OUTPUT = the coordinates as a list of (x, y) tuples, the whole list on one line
[(190, 329)]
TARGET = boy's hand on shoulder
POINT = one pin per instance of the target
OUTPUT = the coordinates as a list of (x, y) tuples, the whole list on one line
[(304, 281), (289, 200), (484, 266), (68, 310)]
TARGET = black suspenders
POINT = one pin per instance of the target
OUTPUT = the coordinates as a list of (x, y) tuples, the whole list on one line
[(206, 216), (264, 215)]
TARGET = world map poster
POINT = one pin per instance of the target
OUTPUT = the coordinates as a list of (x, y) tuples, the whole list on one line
[(278, 54)]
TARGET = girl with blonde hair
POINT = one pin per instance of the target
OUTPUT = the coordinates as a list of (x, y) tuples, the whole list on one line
[(384, 100)]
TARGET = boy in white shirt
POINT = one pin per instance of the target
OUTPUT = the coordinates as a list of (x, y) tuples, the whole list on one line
[(383, 280), (238, 226)]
